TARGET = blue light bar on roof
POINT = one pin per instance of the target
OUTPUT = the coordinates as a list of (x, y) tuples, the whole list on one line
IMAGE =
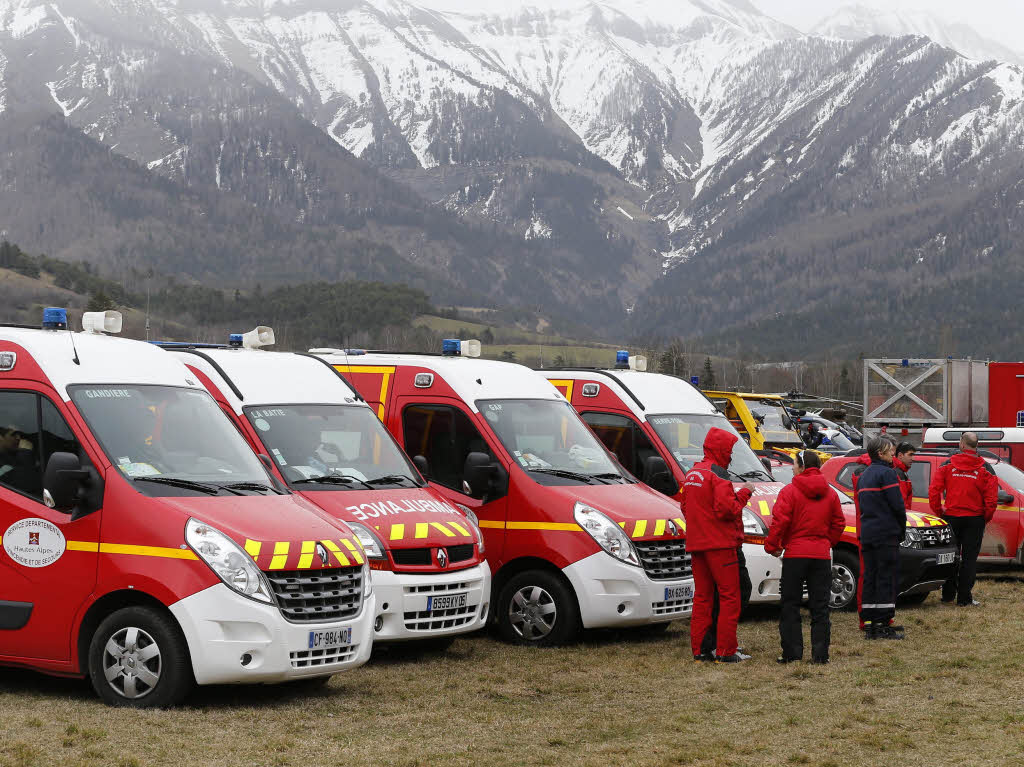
[(451, 347), (235, 339), (622, 360), (55, 318)]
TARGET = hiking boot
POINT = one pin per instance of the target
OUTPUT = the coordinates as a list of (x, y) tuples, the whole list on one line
[(734, 658), (784, 659), (743, 655), (702, 658), (889, 632), (871, 632), (822, 661), (972, 603)]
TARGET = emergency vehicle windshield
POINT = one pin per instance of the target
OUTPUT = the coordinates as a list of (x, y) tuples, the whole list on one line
[(683, 434), (170, 440), (547, 438), (331, 447), (1011, 475)]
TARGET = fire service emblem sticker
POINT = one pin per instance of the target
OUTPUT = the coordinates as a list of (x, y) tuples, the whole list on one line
[(34, 542)]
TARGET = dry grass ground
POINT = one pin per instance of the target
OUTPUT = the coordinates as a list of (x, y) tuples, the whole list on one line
[(951, 694)]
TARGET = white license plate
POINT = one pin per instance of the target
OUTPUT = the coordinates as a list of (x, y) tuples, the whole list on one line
[(945, 559), (675, 593), (330, 640), (447, 602)]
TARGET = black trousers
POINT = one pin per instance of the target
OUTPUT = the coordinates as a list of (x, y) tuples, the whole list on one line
[(969, 532), (710, 641), (881, 582), (817, 574)]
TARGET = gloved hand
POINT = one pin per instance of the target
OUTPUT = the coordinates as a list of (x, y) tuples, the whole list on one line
[(743, 495)]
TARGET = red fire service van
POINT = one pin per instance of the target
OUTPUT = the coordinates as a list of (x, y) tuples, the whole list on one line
[(655, 425), (143, 543), (572, 540), (427, 557)]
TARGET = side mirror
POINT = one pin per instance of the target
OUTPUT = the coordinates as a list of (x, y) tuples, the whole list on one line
[(767, 465), (1005, 498), (267, 463), (477, 475), (422, 464), (63, 481), (658, 476)]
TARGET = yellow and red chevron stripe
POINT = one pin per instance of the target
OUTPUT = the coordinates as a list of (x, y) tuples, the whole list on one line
[(414, 531), (301, 555)]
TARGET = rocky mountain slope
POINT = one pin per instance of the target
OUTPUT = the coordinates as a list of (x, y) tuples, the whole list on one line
[(702, 169)]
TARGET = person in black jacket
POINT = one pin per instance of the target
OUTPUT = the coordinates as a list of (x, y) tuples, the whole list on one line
[(883, 524)]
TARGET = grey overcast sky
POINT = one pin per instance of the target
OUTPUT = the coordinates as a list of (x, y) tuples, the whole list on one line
[(1001, 20)]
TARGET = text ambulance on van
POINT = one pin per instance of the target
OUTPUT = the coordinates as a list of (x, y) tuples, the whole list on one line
[(429, 573), (144, 544), (655, 425), (572, 541)]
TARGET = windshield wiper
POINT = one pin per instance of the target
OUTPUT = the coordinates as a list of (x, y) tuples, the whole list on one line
[(755, 474), (567, 474), (333, 479), (390, 479), (609, 475), (186, 484), (254, 486)]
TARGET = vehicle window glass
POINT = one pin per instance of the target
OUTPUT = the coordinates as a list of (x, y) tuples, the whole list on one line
[(309, 441), (167, 431), (683, 434), (624, 437), (445, 436), (777, 426), (1011, 475), (920, 476), (57, 436), (20, 455), (1001, 450), (845, 475), (547, 436)]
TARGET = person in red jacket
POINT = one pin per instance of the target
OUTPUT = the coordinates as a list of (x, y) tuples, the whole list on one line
[(971, 492), (712, 510), (807, 522), (905, 453)]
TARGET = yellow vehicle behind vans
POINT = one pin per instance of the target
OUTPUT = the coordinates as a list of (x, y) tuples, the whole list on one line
[(762, 420)]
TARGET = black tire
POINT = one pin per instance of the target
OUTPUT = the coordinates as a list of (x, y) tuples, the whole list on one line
[(545, 615), (845, 574), (140, 677), (913, 600)]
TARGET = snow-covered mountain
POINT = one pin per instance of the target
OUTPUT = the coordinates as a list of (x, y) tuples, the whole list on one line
[(859, 22), (656, 154)]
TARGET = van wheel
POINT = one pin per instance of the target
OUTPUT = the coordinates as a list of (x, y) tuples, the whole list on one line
[(537, 608), (138, 659), (845, 573)]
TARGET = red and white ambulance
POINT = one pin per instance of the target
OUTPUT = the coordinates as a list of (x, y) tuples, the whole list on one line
[(655, 425), (572, 540), (430, 576), (143, 543)]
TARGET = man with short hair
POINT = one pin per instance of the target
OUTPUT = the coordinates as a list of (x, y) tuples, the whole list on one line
[(969, 487), (883, 522), (905, 453)]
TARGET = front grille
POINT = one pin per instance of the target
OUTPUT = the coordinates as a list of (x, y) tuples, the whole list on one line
[(664, 560), (424, 557), (310, 658), (308, 596), (672, 607), (440, 588), (936, 536), (440, 619)]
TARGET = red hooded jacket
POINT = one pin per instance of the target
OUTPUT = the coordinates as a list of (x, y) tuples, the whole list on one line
[(807, 520), (970, 487), (712, 509)]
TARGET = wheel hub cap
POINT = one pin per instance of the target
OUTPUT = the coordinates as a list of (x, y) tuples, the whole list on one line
[(532, 613), (132, 662)]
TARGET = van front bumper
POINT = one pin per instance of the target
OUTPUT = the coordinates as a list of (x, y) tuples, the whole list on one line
[(236, 640), (612, 593), (765, 573), (920, 571), (403, 600)]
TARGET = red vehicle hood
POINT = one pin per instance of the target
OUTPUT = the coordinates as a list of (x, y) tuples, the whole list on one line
[(280, 532), (642, 512), (403, 518)]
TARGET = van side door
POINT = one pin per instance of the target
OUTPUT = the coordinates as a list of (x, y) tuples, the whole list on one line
[(444, 434), (48, 563), (626, 439)]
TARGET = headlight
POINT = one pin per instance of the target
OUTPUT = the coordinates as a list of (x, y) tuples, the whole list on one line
[(367, 579), (754, 528), (609, 536), (228, 560), (371, 544), (473, 520), (912, 539)]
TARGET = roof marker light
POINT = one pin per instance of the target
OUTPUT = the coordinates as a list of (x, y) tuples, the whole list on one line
[(55, 318), (638, 363), (102, 322), (451, 347), (621, 360), (235, 340), (470, 348), (259, 337)]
